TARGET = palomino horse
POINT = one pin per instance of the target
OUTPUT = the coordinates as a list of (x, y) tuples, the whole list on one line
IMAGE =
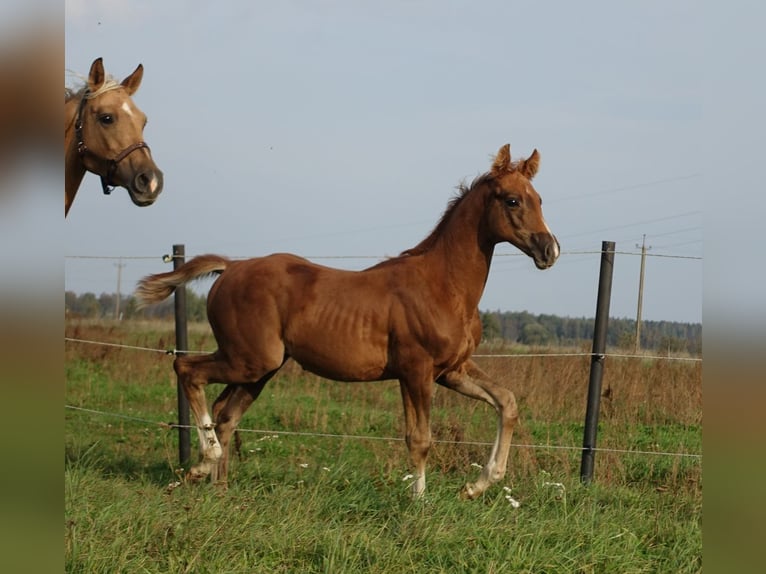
[(413, 318), (103, 134)]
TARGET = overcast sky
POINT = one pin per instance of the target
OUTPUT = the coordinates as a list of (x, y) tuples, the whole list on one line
[(339, 130)]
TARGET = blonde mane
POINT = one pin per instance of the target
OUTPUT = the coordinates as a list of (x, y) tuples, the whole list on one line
[(110, 83)]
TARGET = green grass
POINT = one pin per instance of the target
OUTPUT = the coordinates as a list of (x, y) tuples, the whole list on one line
[(345, 520), (304, 503)]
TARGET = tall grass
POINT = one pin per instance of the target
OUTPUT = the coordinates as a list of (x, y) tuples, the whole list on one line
[(308, 503)]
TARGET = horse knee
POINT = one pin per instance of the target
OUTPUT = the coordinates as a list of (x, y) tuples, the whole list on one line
[(418, 447)]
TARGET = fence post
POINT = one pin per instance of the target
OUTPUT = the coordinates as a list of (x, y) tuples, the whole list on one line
[(182, 344), (597, 361)]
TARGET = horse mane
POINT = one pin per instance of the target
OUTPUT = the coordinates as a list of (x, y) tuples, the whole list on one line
[(462, 191), (80, 91)]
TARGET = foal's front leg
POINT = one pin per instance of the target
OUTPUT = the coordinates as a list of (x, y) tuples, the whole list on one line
[(471, 381), (416, 398)]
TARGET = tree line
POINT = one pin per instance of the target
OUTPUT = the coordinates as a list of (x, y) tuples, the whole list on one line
[(499, 326), (104, 306), (543, 330)]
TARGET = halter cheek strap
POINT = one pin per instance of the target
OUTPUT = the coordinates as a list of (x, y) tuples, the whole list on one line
[(106, 180)]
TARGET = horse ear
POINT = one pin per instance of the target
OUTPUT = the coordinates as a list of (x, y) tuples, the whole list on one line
[(502, 160), (132, 82), (529, 166), (96, 76)]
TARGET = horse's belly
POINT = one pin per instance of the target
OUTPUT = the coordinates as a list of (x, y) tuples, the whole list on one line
[(341, 363), (342, 355)]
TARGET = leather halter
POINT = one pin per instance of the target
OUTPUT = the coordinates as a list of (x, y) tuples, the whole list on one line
[(106, 180)]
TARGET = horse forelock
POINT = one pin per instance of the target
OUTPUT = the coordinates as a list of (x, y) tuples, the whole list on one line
[(77, 92)]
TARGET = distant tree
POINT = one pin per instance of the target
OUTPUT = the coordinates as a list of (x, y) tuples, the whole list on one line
[(107, 302), (626, 340), (87, 306), (130, 308), (196, 306), (70, 302), (535, 334), (670, 344), (490, 326)]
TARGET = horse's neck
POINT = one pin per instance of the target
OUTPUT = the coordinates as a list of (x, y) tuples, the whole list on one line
[(461, 255), (74, 169)]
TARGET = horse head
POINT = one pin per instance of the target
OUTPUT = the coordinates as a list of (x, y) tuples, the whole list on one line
[(514, 210), (109, 130)]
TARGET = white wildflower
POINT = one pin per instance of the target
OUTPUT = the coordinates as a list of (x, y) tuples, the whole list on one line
[(172, 486), (561, 490)]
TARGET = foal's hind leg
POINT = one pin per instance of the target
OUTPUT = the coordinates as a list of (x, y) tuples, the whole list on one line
[(194, 372), (471, 381), (228, 409)]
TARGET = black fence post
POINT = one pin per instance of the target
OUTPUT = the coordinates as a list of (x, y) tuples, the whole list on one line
[(182, 344), (597, 361)]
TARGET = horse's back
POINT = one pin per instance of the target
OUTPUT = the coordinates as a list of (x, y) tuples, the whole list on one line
[(333, 322)]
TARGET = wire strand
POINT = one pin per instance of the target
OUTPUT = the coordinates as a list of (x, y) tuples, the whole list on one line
[(378, 438), (482, 356), (167, 258)]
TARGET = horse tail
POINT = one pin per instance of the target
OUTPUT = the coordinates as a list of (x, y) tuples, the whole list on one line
[(158, 287)]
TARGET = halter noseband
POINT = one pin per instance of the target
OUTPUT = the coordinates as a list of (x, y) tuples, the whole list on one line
[(106, 181)]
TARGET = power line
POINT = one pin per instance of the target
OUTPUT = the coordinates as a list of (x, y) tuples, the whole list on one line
[(627, 188), (623, 226), (677, 231)]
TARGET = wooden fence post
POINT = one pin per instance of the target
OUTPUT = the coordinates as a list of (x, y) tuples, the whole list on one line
[(597, 361), (182, 344)]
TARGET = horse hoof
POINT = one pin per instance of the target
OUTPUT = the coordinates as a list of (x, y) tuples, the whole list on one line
[(196, 475), (469, 492)]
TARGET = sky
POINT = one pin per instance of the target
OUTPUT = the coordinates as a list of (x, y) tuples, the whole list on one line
[(339, 130)]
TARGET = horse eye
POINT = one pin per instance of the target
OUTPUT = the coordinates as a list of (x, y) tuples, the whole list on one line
[(512, 202), (106, 119)]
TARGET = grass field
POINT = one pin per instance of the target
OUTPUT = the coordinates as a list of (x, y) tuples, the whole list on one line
[(305, 503)]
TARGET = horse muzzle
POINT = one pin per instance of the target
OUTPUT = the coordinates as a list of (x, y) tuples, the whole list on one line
[(545, 250), (146, 187)]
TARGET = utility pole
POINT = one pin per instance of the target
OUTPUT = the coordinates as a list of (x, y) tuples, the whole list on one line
[(119, 265), (644, 249)]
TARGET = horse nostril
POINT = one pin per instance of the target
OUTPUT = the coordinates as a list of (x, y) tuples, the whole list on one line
[(142, 182), (551, 249)]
